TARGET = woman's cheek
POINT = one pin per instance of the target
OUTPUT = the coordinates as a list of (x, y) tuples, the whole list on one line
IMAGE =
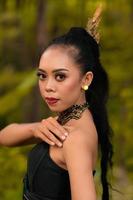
[(69, 88), (72, 85), (41, 89)]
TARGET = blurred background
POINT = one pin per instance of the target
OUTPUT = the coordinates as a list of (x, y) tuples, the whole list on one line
[(26, 27)]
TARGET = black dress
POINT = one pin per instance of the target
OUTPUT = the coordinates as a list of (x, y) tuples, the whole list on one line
[(45, 180)]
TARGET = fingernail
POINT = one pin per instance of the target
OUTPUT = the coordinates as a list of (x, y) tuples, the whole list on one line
[(66, 134), (63, 137), (59, 144), (52, 143)]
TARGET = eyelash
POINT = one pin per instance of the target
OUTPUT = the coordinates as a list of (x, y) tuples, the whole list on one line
[(39, 75), (62, 76), (43, 76)]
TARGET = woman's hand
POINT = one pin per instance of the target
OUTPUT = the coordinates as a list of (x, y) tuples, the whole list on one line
[(50, 131)]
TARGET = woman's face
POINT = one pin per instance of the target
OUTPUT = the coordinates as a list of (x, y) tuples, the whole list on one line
[(60, 80)]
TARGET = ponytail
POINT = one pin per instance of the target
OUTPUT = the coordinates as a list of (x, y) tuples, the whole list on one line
[(97, 96)]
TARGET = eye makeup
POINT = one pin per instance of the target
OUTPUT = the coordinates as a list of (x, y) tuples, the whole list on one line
[(58, 74)]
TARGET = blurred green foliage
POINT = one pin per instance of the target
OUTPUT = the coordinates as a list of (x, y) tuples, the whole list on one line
[(25, 29)]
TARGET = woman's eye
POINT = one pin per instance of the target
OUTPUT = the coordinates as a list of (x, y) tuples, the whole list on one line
[(41, 76), (60, 77)]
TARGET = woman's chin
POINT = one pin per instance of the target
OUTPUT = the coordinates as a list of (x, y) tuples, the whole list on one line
[(56, 108)]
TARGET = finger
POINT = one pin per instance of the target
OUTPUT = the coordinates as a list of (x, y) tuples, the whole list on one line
[(50, 136), (58, 126), (54, 130), (44, 138)]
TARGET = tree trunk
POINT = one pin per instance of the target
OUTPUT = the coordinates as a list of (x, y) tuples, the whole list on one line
[(41, 40)]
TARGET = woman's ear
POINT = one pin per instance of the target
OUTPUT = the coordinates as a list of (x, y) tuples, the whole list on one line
[(87, 79)]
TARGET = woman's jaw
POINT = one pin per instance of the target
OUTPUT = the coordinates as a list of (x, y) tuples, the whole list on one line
[(58, 105)]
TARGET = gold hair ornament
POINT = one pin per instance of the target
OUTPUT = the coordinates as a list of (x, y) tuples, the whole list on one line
[(93, 23)]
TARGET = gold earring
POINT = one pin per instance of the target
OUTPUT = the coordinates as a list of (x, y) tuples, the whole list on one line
[(85, 87)]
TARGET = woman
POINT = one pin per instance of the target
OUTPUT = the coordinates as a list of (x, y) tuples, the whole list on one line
[(74, 84)]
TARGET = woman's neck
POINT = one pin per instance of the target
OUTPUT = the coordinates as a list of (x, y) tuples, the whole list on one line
[(73, 112)]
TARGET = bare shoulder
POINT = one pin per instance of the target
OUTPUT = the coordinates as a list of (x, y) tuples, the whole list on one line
[(81, 147), (84, 133)]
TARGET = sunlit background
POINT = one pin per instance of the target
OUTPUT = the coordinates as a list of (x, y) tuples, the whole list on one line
[(26, 27)]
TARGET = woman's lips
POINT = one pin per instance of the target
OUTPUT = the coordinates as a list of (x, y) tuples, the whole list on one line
[(51, 101)]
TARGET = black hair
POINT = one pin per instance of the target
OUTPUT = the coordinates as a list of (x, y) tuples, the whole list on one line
[(85, 51)]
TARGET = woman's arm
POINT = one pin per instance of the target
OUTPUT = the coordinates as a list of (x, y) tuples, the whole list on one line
[(48, 130), (79, 157), (18, 134)]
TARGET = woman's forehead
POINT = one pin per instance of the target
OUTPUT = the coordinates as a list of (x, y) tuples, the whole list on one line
[(56, 58)]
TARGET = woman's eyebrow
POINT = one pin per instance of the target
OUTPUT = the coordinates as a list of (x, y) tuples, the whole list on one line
[(55, 70)]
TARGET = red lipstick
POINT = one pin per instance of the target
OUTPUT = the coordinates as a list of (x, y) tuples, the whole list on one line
[(51, 100)]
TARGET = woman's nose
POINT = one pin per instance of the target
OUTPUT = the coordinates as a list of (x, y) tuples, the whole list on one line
[(50, 85)]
